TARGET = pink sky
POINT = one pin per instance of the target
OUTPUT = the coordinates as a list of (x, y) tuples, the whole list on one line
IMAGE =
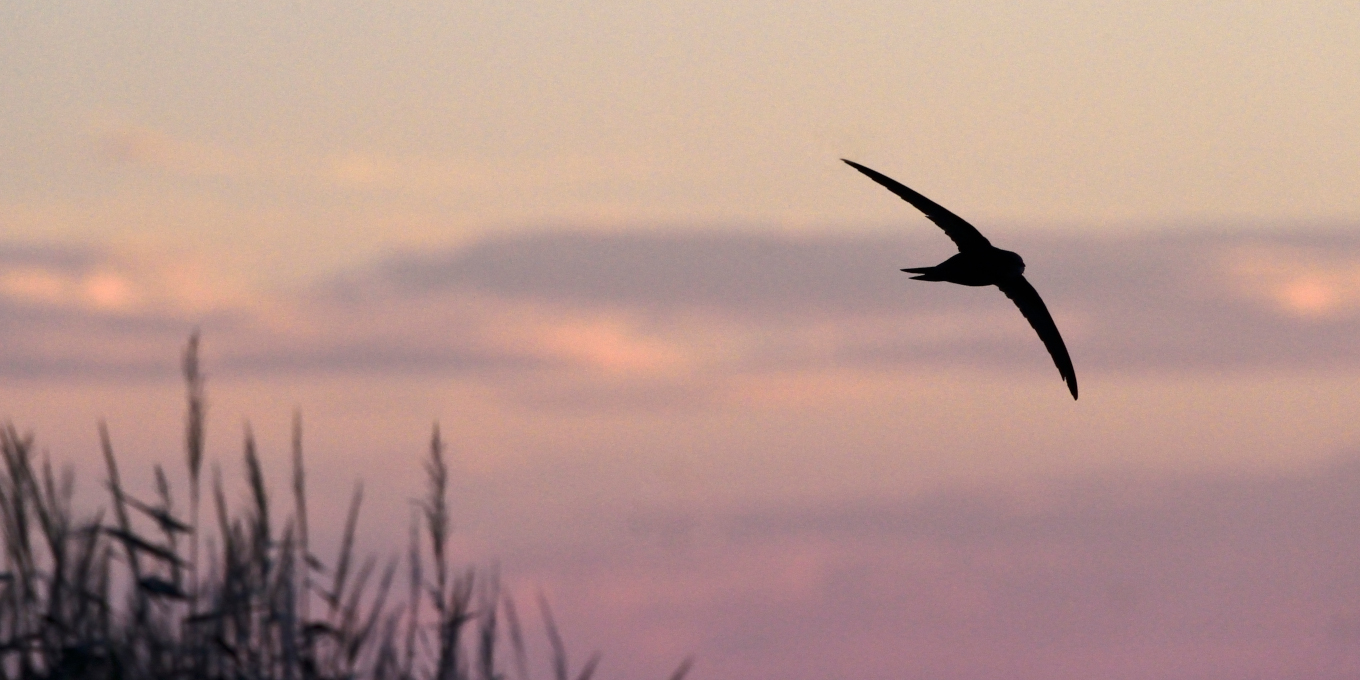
[(611, 249), (781, 455)]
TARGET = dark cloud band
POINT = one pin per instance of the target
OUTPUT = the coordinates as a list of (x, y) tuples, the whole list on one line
[(760, 301)]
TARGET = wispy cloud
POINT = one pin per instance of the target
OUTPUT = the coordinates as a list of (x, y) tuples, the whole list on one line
[(92, 313), (675, 308), (155, 149), (502, 181), (1318, 283)]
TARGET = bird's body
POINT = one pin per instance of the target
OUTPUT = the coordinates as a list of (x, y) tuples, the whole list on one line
[(973, 268), (979, 263)]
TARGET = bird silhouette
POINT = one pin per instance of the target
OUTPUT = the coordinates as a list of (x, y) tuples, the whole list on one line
[(979, 263)]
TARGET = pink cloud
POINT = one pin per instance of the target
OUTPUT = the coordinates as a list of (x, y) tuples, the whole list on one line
[(1316, 283)]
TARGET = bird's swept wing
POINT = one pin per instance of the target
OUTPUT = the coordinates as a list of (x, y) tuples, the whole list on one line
[(964, 235), (1032, 306)]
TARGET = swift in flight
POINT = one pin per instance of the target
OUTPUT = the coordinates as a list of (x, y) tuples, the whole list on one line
[(979, 263)]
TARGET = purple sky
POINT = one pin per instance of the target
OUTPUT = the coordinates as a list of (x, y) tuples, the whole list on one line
[(780, 454)]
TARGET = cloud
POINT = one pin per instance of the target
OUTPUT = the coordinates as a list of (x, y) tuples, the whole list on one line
[(752, 274), (680, 312), (1128, 302), (491, 187), (86, 312), (1310, 283), (156, 149)]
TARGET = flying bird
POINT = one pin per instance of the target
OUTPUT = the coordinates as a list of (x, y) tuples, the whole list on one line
[(979, 263)]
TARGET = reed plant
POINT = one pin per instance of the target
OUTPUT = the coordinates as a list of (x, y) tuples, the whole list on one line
[(139, 589)]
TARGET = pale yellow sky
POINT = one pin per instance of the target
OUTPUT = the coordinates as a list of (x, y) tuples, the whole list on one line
[(289, 139)]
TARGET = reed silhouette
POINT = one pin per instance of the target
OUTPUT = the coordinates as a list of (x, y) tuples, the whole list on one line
[(86, 598)]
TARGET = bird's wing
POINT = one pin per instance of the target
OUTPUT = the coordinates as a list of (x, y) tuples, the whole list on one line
[(964, 235), (1032, 306)]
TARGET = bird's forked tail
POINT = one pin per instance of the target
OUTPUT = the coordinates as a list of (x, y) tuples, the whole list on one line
[(923, 273)]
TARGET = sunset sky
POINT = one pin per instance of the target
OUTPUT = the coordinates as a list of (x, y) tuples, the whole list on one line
[(610, 247)]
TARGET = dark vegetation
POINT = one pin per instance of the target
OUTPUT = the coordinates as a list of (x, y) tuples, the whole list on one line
[(138, 591)]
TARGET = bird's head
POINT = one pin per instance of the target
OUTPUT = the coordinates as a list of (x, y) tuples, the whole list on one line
[(1012, 261)]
